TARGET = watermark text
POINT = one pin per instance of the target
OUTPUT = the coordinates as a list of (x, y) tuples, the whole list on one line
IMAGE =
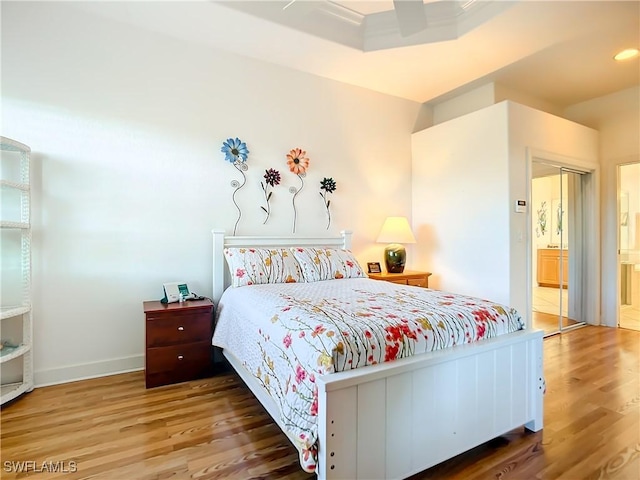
[(32, 466)]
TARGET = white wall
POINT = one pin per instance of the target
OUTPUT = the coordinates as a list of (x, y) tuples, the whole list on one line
[(503, 93), (460, 195), (467, 175), (126, 128), (476, 99), (617, 118), (450, 106)]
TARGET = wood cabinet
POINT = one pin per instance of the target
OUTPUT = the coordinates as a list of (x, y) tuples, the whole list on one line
[(552, 263), (408, 277), (178, 341)]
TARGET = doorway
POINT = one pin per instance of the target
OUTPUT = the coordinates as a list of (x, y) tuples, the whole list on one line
[(557, 256), (629, 245)]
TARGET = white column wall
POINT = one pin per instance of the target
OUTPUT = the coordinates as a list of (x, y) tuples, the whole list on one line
[(460, 203)]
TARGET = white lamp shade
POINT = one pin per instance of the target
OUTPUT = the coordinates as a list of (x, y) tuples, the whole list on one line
[(396, 230)]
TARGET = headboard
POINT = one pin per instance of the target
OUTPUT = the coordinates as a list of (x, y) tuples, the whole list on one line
[(221, 277)]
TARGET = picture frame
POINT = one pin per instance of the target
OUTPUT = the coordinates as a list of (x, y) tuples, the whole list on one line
[(374, 267)]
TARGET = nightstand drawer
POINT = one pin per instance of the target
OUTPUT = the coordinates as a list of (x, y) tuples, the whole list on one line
[(178, 329), (179, 358), (408, 277)]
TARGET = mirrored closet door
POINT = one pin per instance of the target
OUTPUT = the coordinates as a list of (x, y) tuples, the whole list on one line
[(557, 247)]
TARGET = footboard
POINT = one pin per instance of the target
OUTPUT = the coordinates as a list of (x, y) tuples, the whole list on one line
[(405, 416)]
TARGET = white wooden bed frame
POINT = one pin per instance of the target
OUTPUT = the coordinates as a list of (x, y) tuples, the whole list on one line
[(399, 418)]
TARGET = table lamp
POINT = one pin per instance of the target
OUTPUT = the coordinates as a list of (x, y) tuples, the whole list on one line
[(395, 231)]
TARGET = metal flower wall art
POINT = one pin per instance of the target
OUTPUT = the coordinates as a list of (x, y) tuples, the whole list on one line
[(559, 215), (541, 229), (271, 179), (298, 163), (236, 152), (327, 186)]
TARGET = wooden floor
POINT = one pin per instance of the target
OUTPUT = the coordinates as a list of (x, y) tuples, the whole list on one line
[(112, 428), (630, 316)]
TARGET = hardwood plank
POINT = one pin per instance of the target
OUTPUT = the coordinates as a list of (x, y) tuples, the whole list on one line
[(113, 428)]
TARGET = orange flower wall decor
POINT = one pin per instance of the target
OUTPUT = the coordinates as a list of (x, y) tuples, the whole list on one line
[(298, 162)]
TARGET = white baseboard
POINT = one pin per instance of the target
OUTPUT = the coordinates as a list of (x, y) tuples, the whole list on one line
[(73, 373)]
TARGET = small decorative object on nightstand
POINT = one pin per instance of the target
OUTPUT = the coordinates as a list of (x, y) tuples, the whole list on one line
[(408, 277), (374, 267), (178, 341)]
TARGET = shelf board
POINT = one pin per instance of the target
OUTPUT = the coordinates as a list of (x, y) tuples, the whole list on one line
[(14, 311), (16, 185), (20, 225), (12, 146), (13, 353), (10, 391)]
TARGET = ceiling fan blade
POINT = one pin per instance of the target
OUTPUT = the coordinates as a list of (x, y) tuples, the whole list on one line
[(288, 4), (410, 15)]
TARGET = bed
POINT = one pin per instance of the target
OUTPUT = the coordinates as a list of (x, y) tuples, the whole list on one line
[(387, 418)]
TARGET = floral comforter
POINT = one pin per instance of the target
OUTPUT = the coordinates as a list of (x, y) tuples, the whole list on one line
[(288, 334)]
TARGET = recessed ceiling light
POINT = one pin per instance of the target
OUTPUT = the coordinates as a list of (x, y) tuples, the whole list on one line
[(626, 54)]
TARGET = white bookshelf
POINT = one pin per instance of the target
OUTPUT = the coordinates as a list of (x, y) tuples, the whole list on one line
[(16, 322)]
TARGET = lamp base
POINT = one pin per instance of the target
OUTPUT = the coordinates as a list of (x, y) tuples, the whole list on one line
[(395, 257)]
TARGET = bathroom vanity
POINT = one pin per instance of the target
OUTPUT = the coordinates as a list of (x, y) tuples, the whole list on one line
[(553, 265)]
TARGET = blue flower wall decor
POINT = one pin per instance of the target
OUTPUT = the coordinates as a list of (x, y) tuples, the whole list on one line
[(236, 152)]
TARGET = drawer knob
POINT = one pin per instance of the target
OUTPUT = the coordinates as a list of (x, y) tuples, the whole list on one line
[(180, 328), (180, 357)]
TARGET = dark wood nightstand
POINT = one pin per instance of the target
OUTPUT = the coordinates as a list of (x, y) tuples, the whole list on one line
[(408, 277), (178, 341)]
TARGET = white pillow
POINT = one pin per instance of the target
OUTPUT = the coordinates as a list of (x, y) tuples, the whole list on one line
[(327, 263), (252, 266)]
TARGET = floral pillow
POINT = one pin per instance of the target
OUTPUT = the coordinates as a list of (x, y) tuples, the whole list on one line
[(251, 266), (327, 263)]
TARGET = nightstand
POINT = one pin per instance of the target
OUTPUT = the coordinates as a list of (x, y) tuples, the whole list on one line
[(178, 341), (408, 277)]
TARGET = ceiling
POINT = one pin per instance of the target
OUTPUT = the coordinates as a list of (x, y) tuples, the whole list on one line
[(556, 51)]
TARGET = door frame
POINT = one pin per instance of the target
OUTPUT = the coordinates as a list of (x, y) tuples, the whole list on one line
[(618, 305), (591, 234)]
